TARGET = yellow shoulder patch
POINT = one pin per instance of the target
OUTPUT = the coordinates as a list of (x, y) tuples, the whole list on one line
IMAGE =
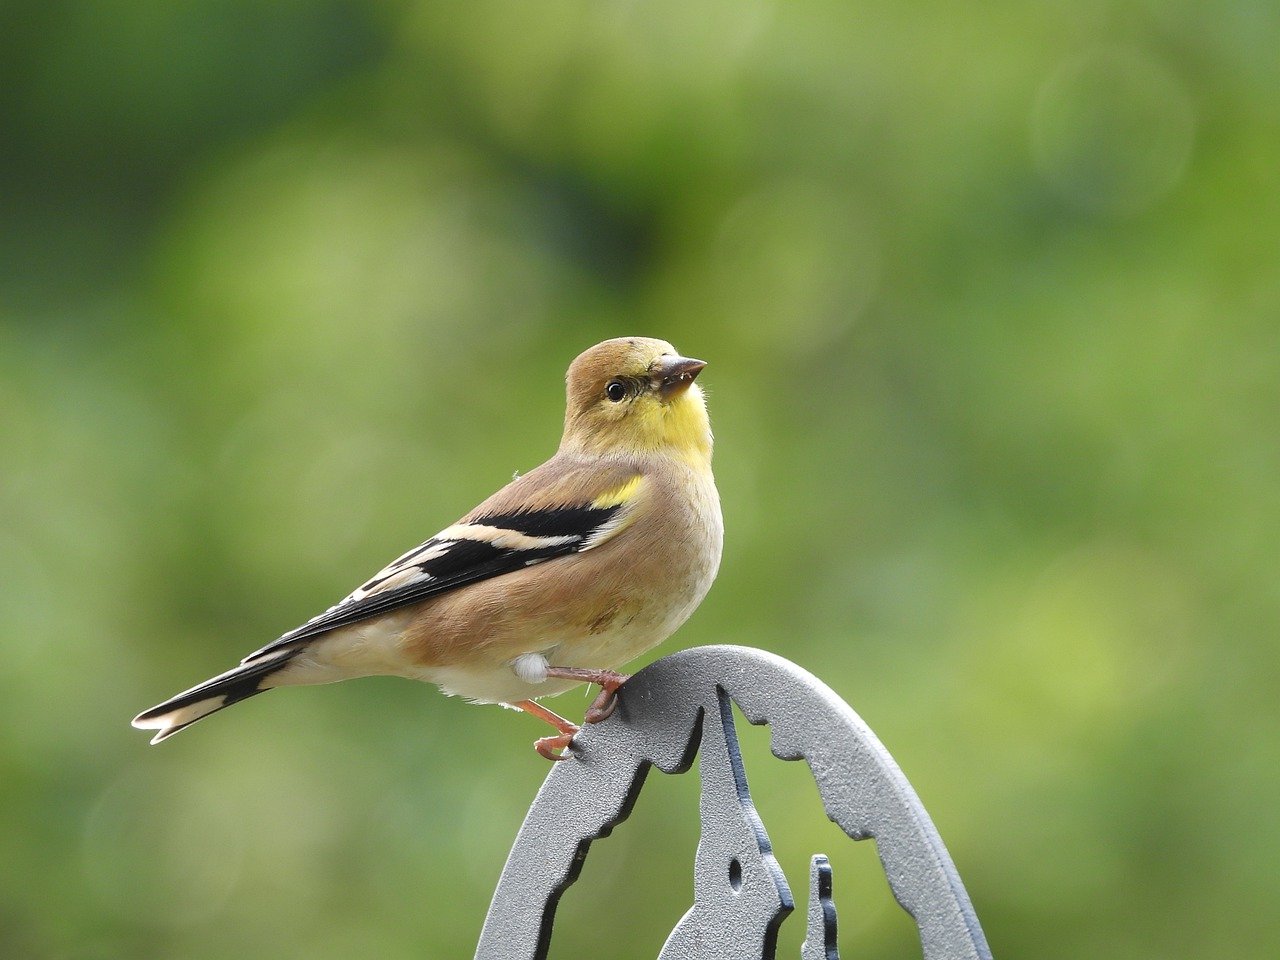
[(619, 495)]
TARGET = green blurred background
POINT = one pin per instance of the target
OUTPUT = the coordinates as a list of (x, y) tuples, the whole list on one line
[(989, 294)]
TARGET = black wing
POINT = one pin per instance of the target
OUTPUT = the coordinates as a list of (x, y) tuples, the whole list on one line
[(486, 546)]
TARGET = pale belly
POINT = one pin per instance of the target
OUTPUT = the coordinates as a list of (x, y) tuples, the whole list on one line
[(607, 649)]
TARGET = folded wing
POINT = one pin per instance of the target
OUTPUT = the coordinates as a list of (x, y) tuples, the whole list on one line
[(534, 519)]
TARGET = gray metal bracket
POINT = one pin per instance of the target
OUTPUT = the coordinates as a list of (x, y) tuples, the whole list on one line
[(820, 934), (740, 896), (666, 713)]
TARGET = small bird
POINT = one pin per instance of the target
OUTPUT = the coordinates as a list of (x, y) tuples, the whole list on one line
[(570, 570)]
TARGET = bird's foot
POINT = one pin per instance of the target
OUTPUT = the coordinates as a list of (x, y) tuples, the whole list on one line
[(553, 748), (559, 747), (604, 704), (608, 681)]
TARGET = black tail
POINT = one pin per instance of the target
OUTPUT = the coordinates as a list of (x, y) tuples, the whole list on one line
[(178, 713)]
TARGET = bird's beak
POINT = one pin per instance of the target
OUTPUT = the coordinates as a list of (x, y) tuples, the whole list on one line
[(675, 374)]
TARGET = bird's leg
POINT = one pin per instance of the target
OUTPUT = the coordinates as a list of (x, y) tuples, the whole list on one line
[(609, 681), (548, 746)]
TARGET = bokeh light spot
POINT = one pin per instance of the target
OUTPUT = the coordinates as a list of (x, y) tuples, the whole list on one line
[(1112, 130)]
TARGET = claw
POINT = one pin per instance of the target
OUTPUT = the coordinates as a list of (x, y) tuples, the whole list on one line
[(602, 706), (547, 746), (609, 681)]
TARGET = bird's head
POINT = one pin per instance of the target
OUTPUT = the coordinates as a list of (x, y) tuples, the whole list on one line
[(634, 394)]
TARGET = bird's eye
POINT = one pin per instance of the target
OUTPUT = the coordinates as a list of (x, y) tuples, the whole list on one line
[(616, 390)]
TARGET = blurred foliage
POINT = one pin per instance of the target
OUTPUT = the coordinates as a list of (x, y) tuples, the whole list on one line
[(990, 300)]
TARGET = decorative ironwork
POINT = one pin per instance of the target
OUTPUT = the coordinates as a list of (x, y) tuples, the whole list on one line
[(820, 935), (666, 713), (740, 896)]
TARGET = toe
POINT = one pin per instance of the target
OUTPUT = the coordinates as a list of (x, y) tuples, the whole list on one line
[(555, 748)]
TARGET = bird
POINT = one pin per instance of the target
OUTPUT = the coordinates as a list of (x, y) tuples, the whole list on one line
[(569, 571)]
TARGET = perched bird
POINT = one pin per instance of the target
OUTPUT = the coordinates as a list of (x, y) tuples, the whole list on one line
[(566, 572)]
